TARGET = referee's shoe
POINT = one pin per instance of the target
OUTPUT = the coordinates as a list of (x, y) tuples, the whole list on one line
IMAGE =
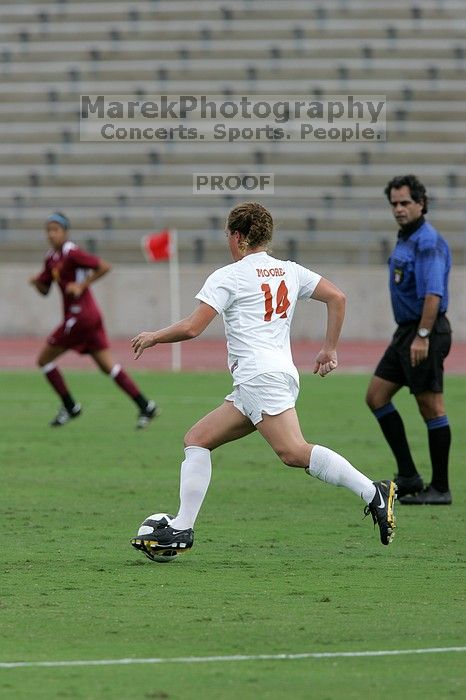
[(429, 496), (382, 509)]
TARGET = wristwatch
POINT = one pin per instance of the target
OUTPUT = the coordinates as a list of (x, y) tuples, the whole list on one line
[(423, 332)]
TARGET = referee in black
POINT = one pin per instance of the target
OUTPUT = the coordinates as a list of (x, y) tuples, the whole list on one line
[(418, 267)]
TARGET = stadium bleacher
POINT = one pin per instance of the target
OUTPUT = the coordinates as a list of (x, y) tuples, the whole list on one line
[(328, 196)]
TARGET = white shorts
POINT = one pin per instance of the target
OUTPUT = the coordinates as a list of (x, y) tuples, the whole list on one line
[(270, 393)]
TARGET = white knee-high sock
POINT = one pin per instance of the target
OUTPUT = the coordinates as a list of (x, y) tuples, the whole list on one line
[(332, 468), (196, 470)]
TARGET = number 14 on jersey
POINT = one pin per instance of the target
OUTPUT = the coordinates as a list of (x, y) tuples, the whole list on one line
[(281, 301)]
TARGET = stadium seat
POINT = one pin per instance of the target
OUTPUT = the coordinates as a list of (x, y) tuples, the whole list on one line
[(410, 52)]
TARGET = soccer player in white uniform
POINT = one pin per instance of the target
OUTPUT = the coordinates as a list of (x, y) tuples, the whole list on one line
[(257, 296)]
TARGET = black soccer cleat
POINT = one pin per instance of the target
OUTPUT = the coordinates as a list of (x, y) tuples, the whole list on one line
[(64, 416), (150, 412), (162, 555), (408, 485), (164, 538), (382, 509), (150, 524), (159, 541)]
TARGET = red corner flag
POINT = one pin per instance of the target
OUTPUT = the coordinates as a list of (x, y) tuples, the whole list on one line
[(156, 246)]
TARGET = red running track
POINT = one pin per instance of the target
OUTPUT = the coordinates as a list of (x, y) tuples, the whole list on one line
[(199, 354)]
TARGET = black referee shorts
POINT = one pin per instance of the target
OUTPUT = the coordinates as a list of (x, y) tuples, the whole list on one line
[(395, 365)]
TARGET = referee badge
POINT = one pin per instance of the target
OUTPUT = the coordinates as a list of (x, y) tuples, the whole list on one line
[(398, 275)]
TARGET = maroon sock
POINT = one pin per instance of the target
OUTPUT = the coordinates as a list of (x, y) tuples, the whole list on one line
[(125, 382), (55, 378)]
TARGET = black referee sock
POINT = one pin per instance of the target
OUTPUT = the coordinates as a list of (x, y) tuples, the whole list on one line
[(394, 432), (439, 446)]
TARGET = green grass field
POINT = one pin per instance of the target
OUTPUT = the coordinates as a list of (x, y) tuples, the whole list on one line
[(282, 564)]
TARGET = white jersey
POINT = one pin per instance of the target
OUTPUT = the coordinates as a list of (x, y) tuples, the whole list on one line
[(257, 298)]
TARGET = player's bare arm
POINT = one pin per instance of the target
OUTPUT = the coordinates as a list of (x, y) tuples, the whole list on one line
[(40, 286), (419, 349), (335, 299), (75, 289), (187, 328)]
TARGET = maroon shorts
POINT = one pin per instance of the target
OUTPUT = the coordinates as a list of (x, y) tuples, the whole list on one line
[(80, 335)]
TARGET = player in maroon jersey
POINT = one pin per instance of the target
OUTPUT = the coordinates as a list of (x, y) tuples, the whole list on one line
[(82, 330)]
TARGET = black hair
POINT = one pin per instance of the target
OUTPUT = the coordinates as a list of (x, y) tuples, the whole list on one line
[(416, 188)]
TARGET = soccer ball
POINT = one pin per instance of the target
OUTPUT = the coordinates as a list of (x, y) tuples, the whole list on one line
[(147, 528)]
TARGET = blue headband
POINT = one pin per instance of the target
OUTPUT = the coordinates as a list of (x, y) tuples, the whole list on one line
[(58, 219)]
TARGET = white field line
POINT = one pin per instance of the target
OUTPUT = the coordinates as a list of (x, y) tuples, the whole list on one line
[(226, 659)]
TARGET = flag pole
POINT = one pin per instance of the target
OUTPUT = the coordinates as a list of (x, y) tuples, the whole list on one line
[(175, 311)]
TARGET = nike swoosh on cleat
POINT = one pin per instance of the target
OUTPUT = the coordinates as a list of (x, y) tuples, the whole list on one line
[(382, 502)]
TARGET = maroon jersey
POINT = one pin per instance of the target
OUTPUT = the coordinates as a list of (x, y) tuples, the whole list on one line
[(82, 328), (70, 264)]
